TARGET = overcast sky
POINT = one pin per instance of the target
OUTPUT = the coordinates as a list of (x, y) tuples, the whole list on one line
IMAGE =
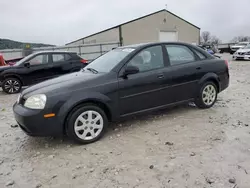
[(62, 21)]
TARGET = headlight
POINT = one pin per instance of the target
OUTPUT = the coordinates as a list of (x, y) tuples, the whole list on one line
[(248, 53), (36, 102)]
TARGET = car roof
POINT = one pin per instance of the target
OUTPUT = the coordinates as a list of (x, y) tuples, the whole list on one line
[(243, 42), (51, 51), (140, 45)]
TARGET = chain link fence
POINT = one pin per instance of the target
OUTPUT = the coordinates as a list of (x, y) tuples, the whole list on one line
[(88, 52)]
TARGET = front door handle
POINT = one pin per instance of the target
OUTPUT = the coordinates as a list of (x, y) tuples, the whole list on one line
[(160, 76), (198, 68)]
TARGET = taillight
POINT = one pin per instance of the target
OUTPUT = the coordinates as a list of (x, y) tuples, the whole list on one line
[(226, 62), (84, 61)]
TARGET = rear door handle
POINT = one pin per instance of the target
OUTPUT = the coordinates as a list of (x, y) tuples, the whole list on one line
[(160, 76), (198, 68)]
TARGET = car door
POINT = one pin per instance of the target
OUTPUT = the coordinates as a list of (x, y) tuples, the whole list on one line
[(38, 69), (147, 89), (184, 68), (63, 64)]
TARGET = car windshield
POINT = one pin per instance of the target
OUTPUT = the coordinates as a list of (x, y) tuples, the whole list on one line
[(247, 47), (23, 60), (108, 61), (242, 44)]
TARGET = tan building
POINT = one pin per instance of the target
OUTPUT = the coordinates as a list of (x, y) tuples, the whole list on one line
[(158, 26)]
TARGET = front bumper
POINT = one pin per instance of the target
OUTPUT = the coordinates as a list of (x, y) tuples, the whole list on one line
[(33, 123), (242, 57)]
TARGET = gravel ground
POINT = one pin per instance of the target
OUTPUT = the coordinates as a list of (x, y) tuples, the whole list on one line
[(179, 147)]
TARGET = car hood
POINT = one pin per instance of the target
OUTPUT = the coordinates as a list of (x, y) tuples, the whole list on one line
[(243, 50), (62, 83), (237, 46), (2, 68)]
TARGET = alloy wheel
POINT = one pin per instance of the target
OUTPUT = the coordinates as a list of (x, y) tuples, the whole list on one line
[(88, 125), (12, 86), (209, 95)]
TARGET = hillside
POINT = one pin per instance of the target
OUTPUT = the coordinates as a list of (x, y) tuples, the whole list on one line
[(10, 44)]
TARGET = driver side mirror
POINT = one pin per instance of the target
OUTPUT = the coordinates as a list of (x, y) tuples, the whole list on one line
[(130, 70), (27, 64)]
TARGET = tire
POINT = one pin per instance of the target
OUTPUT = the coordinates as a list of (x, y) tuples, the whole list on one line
[(11, 85), (80, 128), (208, 89)]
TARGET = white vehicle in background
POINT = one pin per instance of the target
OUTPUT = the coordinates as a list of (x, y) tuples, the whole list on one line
[(238, 46), (242, 53)]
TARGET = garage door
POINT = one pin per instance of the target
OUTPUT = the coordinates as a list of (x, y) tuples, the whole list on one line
[(168, 36)]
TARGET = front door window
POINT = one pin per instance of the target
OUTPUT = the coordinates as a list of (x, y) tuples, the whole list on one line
[(39, 60), (148, 59)]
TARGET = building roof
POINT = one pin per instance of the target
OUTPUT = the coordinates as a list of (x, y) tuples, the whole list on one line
[(163, 10), (139, 45)]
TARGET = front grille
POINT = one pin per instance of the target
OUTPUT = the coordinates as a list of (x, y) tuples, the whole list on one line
[(241, 53)]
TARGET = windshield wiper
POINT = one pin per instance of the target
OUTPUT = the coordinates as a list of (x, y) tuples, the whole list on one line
[(92, 70)]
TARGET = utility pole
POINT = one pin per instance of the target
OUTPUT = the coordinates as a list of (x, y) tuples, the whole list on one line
[(165, 19)]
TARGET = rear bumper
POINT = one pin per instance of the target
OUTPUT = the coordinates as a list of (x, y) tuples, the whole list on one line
[(224, 85), (224, 81), (33, 123)]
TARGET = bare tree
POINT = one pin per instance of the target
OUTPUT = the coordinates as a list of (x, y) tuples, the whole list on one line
[(205, 36), (215, 40), (241, 39)]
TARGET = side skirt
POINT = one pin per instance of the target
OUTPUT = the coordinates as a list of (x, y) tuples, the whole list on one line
[(157, 108)]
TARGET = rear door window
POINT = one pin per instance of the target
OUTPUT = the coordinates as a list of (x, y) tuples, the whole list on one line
[(179, 54), (58, 57)]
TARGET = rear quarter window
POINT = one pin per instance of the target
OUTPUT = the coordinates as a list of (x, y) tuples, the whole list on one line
[(67, 57), (75, 56), (199, 54)]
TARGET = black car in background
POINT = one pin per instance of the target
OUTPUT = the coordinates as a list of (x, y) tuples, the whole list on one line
[(123, 82), (38, 67)]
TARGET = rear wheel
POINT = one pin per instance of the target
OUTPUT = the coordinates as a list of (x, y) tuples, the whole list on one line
[(87, 124), (11, 85), (207, 95)]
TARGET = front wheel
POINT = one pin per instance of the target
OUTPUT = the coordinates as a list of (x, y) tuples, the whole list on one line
[(87, 124), (11, 85), (207, 95)]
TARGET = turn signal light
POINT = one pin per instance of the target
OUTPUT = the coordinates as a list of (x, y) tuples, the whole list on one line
[(49, 115)]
